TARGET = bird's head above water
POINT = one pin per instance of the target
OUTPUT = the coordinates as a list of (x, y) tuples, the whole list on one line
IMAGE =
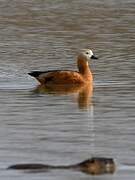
[(86, 54), (83, 61)]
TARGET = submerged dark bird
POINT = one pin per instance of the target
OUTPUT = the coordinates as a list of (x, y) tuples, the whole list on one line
[(94, 166)]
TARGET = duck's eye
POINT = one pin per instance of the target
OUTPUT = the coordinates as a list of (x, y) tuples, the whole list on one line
[(87, 53)]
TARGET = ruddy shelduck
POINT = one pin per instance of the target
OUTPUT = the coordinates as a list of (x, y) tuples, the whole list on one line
[(68, 77)]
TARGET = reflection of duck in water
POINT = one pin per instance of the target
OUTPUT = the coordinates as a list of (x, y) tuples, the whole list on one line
[(92, 166), (66, 77), (66, 81), (84, 93)]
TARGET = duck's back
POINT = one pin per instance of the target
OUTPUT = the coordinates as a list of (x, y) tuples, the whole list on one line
[(58, 77)]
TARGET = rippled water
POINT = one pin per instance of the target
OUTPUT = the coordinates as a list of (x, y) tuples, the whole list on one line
[(54, 128)]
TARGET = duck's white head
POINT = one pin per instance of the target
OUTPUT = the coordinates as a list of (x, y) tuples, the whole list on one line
[(86, 54), (83, 61)]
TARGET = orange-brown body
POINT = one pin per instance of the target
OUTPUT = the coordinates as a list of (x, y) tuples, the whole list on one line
[(67, 77), (64, 77)]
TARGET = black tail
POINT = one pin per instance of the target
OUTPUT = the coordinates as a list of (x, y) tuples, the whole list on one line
[(27, 166), (35, 73)]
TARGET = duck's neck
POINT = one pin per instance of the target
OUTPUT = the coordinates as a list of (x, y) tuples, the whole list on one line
[(84, 69)]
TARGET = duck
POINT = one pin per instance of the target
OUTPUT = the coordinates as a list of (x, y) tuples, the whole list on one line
[(64, 78)]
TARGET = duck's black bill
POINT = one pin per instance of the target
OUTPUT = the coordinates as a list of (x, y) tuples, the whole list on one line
[(93, 57)]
